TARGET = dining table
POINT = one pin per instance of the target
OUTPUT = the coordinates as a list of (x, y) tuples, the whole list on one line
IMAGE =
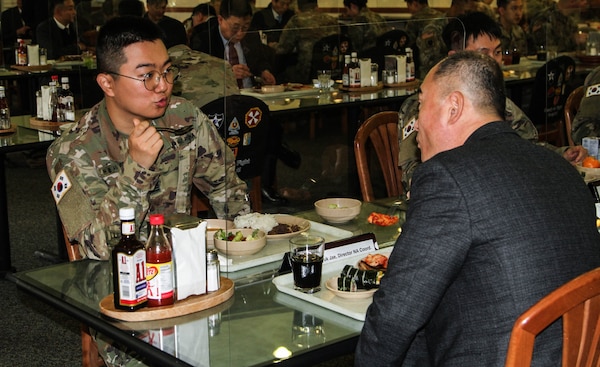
[(258, 326)]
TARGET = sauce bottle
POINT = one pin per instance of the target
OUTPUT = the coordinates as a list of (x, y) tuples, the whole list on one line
[(159, 264), (346, 72), (129, 266)]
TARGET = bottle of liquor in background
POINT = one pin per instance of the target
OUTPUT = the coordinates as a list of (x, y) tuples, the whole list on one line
[(66, 101), (159, 264), (4, 111), (354, 71), (410, 65), (22, 53), (53, 101), (129, 266), (346, 71)]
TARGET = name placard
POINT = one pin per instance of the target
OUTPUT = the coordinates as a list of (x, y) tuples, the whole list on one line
[(349, 247)]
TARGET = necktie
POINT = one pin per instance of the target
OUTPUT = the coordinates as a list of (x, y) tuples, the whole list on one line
[(234, 60), (278, 18)]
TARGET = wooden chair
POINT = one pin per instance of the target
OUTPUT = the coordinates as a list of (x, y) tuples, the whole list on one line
[(381, 130), (243, 123), (578, 303), (571, 108), (89, 349)]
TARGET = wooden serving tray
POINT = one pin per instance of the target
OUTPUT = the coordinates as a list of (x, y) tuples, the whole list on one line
[(414, 83), (10, 130), (32, 68), (363, 89), (187, 306), (49, 125)]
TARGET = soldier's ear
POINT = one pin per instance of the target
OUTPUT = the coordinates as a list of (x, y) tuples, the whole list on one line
[(106, 83)]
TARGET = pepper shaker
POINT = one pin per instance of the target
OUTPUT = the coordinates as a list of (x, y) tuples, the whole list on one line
[(213, 276)]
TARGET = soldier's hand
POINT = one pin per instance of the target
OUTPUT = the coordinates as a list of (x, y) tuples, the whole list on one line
[(144, 143), (575, 154)]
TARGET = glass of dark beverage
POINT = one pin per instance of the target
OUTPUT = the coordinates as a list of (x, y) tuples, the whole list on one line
[(306, 255)]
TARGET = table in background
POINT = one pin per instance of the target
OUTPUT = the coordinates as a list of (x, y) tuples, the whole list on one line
[(257, 312)]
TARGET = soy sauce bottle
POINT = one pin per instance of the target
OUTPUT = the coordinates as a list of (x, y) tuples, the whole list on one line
[(129, 266), (159, 264)]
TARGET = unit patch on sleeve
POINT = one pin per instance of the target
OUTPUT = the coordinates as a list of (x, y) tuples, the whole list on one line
[(61, 185)]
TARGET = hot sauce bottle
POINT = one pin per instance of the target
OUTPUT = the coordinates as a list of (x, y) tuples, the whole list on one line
[(159, 264), (129, 266)]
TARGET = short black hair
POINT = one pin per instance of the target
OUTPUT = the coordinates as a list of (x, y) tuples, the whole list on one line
[(502, 3), (479, 75), (204, 8), (119, 33), (459, 30), (423, 2), (235, 8), (359, 3), (130, 8)]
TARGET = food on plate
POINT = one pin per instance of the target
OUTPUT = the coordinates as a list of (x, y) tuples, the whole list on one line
[(352, 279), (335, 206), (590, 162), (373, 262), (281, 228), (382, 219), (237, 237), (264, 222)]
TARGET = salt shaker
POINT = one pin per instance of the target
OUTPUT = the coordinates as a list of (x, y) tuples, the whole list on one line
[(213, 276)]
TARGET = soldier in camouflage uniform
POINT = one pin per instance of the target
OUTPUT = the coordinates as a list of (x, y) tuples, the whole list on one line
[(513, 37), (587, 119), (482, 35), (365, 25), (299, 36), (203, 78), (555, 26), (421, 15), (114, 157)]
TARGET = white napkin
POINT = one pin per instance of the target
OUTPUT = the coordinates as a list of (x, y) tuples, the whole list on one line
[(189, 254), (365, 72)]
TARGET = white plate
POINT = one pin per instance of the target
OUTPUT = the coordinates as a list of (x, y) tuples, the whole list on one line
[(291, 220), (332, 285)]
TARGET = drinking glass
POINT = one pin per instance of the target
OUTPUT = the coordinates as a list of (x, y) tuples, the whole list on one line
[(306, 255), (324, 76)]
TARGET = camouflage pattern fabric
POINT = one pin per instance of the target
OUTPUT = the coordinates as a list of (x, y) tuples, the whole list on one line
[(587, 119), (93, 157), (299, 36), (551, 27), (364, 29), (409, 155), (419, 20), (432, 48), (203, 78), (515, 37)]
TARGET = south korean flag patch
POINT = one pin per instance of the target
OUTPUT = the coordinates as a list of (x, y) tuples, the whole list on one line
[(409, 128), (61, 185)]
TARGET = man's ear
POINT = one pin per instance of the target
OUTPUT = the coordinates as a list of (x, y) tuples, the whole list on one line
[(106, 83), (456, 102)]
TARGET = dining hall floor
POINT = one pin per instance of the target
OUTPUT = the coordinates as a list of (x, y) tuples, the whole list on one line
[(35, 334)]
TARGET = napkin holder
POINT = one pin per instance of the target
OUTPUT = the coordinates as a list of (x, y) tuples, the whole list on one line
[(188, 238), (365, 72), (397, 63)]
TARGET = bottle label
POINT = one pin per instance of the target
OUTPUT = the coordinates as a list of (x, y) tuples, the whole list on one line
[(127, 228), (160, 280), (132, 278)]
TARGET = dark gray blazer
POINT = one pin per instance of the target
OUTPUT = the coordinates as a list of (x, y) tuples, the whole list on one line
[(493, 226)]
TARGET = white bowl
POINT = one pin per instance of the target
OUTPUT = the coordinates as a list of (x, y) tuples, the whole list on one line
[(212, 227), (241, 248), (338, 210)]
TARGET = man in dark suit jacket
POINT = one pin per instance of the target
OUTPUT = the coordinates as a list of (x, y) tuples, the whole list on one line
[(173, 30), (272, 19), (13, 27), (58, 34), (494, 224)]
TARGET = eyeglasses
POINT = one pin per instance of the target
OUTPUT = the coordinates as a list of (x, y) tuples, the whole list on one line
[(152, 79), (236, 27)]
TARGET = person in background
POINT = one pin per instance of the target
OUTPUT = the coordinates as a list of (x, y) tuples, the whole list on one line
[(482, 241), (587, 119), (510, 15), (114, 157), (424, 30), (13, 27), (199, 20), (59, 34), (420, 15), (134, 8), (555, 26), (365, 25), (217, 5), (173, 30), (272, 20), (299, 36), (481, 34)]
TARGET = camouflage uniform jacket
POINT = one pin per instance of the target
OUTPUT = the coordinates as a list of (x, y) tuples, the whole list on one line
[(203, 77), (364, 29), (409, 155), (300, 35), (587, 119), (92, 159), (551, 27), (515, 37), (431, 46), (419, 20)]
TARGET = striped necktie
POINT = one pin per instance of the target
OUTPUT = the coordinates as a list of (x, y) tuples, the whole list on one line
[(234, 60)]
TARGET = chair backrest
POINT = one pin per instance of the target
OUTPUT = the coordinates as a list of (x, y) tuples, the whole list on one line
[(571, 108), (328, 54), (578, 303), (381, 130), (243, 123), (550, 92)]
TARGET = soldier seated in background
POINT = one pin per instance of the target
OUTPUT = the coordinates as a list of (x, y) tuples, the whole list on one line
[(587, 119)]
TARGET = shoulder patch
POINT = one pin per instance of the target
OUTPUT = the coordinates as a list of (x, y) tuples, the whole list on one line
[(61, 185)]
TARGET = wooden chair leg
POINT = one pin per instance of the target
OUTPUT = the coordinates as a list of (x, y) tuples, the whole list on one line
[(89, 349)]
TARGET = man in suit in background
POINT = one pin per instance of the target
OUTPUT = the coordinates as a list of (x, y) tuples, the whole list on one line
[(494, 224), (13, 27), (58, 35), (272, 19), (173, 30)]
